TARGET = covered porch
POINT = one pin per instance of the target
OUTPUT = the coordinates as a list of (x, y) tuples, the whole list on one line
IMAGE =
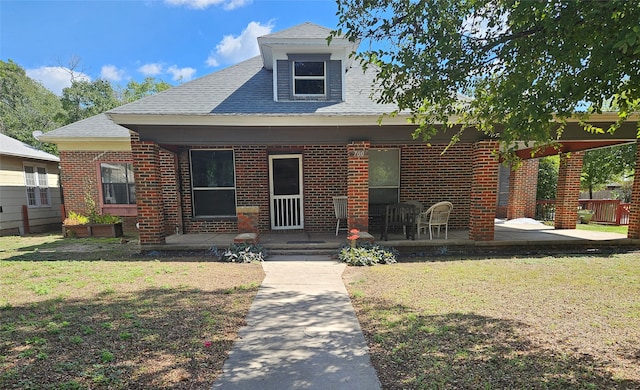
[(510, 237)]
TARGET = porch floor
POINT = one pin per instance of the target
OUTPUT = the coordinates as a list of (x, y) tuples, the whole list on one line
[(508, 237)]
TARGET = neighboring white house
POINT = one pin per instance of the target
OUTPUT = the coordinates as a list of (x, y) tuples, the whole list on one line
[(29, 189)]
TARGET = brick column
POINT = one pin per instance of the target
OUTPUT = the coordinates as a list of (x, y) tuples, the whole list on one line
[(484, 184), (248, 219), (146, 166), (569, 174), (358, 185), (634, 217), (523, 183)]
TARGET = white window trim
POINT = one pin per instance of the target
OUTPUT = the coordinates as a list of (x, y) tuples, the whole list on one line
[(38, 185), (323, 78)]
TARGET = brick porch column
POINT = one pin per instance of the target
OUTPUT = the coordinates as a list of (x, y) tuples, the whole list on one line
[(523, 183), (634, 217), (146, 167), (569, 174), (358, 185), (484, 184)]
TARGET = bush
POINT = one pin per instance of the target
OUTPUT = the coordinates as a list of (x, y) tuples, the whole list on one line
[(244, 253), (75, 219), (105, 219), (368, 254)]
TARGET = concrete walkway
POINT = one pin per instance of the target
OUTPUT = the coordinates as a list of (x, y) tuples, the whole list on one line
[(301, 333)]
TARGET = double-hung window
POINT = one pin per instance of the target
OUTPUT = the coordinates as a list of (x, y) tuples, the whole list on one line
[(309, 78), (213, 183), (118, 183), (384, 176), (37, 185)]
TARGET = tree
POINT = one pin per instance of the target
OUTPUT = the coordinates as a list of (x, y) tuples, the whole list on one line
[(601, 166), (26, 106), (526, 66), (84, 99), (548, 177), (135, 90)]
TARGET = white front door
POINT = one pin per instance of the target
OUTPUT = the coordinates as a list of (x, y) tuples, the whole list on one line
[(285, 190)]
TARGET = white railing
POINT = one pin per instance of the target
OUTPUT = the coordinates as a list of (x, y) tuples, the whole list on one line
[(286, 212)]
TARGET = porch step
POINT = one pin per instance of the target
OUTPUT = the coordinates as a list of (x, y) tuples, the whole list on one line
[(302, 252)]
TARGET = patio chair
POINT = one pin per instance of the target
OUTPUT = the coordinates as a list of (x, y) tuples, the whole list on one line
[(419, 209), (340, 209), (435, 216)]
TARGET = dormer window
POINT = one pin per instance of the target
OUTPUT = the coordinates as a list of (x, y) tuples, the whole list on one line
[(309, 78)]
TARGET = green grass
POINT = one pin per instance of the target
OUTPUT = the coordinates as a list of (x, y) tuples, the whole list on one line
[(622, 229), (547, 322), (116, 323)]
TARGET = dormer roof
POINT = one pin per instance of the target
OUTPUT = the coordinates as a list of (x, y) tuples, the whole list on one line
[(304, 38)]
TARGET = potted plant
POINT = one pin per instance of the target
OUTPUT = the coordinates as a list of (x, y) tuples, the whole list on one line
[(585, 216), (95, 225)]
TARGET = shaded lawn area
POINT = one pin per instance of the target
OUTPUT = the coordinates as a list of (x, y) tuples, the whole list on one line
[(117, 324), (535, 323)]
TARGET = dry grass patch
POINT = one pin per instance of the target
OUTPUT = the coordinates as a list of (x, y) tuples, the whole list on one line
[(570, 322), (119, 324)]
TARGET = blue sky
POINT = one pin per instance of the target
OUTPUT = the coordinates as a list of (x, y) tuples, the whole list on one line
[(121, 40)]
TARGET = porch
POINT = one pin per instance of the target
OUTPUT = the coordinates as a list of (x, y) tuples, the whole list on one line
[(510, 237)]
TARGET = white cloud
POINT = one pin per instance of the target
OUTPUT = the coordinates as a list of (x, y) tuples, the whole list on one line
[(158, 69), (234, 49), (181, 74), (151, 69), (111, 73), (56, 78), (202, 4)]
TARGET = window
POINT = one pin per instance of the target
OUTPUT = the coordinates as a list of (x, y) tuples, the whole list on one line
[(384, 176), (213, 183), (309, 77), (118, 185), (37, 184)]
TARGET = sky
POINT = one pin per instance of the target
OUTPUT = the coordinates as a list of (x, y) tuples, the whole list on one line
[(123, 40)]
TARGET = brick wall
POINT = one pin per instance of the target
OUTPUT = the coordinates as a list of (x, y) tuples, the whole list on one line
[(569, 173), (80, 177), (634, 217), (427, 175), (484, 182), (171, 202), (523, 183), (146, 155), (358, 185)]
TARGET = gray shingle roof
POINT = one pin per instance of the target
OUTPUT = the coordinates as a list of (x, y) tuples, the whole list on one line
[(247, 89), (305, 30), (12, 147), (98, 126)]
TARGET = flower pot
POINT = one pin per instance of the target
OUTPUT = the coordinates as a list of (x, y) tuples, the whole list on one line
[(585, 216), (93, 230)]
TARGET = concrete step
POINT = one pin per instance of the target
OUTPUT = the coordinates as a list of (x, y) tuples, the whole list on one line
[(302, 251)]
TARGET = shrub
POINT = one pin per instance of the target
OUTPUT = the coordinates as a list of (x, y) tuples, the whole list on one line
[(244, 253), (75, 219), (367, 254), (104, 219)]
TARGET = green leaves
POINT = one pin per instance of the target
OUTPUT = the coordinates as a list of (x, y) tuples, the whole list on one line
[(527, 65)]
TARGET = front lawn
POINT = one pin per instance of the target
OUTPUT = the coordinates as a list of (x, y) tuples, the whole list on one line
[(534, 323), (119, 323), (622, 229)]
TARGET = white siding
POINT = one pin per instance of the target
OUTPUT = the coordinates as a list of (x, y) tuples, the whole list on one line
[(13, 195)]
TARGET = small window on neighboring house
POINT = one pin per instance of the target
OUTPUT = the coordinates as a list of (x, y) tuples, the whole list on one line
[(213, 183), (118, 183), (309, 78), (384, 176), (37, 185)]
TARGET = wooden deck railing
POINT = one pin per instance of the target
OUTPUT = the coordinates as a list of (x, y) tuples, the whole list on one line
[(610, 211)]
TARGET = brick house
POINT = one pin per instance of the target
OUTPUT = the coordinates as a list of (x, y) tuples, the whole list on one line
[(274, 138)]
